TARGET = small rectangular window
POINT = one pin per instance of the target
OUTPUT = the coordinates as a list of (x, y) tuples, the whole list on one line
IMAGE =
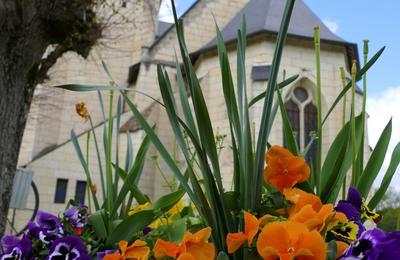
[(61, 191), (80, 192)]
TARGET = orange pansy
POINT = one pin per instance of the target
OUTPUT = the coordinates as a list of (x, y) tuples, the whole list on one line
[(314, 219), (341, 246), (290, 240), (137, 251), (236, 240), (284, 170), (300, 198), (193, 246)]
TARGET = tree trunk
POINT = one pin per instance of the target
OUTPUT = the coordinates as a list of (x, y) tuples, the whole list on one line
[(20, 55), (27, 28)]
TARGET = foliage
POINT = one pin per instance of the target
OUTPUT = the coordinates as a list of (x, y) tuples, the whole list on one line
[(222, 210)]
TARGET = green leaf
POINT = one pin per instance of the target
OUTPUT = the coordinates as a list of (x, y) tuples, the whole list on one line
[(375, 162), (268, 100), (348, 86), (131, 225), (394, 163), (281, 85), (289, 136), (97, 221), (176, 230), (222, 256), (161, 149), (332, 250), (232, 199), (166, 202), (74, 140), (338, 162)]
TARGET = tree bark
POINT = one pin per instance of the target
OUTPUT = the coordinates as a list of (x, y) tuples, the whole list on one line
[(27, 28)]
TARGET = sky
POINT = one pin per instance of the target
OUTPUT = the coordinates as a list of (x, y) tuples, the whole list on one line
[(355, 21)]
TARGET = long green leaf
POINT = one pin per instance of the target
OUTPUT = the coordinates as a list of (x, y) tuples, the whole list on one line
[(281, 85), (74, 140), (133, 176), (375, 161), (348, 86), (391, 170), (289, 135), (160, 147), (131, 225), (166, 202), (98, 223), (266, 114), (335, 171)]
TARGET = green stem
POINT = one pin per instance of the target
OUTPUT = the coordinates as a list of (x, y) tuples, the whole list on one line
[(353, 125), (88, 186), (103, 189), (343, 77), (109, 179), (167, 183), (319, 104), (364, 105)]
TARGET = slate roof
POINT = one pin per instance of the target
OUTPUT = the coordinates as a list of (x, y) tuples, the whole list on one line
[(162, 28), (264, 16)]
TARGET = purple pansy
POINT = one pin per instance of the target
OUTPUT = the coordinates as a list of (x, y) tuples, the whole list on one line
[(15, 248), (46, 227), (374, 244), (352, 206), (76, 216), (68, 248), (101, 255), (147, 230), (354, 197)]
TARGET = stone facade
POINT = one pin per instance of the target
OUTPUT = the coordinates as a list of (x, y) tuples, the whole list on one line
[(47, 150)]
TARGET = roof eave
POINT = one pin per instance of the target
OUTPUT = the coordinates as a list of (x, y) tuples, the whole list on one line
[(351, 48)]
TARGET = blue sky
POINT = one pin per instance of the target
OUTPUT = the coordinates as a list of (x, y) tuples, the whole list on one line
[(354, 21)]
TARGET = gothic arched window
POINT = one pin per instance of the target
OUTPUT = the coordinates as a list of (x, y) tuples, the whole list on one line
[(302, 115)]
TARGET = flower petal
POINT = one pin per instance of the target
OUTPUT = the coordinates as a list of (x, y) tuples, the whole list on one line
[(165, 248), (234, 241)]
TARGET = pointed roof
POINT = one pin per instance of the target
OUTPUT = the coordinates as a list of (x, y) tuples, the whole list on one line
[(264, 16)]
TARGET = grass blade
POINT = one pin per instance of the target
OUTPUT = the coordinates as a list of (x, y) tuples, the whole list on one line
[(394, 163), (266, 114), (375, 162)]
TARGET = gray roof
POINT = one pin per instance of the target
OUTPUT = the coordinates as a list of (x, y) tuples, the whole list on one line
[(264, 16), (162, 28)]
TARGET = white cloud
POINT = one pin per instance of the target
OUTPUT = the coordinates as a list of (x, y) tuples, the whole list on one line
[(165, 13), (332, 25), (381, 108)]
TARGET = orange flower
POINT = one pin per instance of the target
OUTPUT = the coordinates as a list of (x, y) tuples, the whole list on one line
[(82, 111), (284, 170), (137, 251), (236, 240), (193, 246), (309, 210), (341, 246), (318, 219), (300, 198), (290, 240)]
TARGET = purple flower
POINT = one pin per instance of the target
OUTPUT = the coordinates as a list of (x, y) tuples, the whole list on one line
[(15, 248), (147, 230), (46, 227), (354, 197), (48, 221), (101, 255), (347, 208), (76, 216), (68, 248), (374, 244)]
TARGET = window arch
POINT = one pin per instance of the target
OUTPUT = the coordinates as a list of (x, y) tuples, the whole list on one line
[(302, 114)]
